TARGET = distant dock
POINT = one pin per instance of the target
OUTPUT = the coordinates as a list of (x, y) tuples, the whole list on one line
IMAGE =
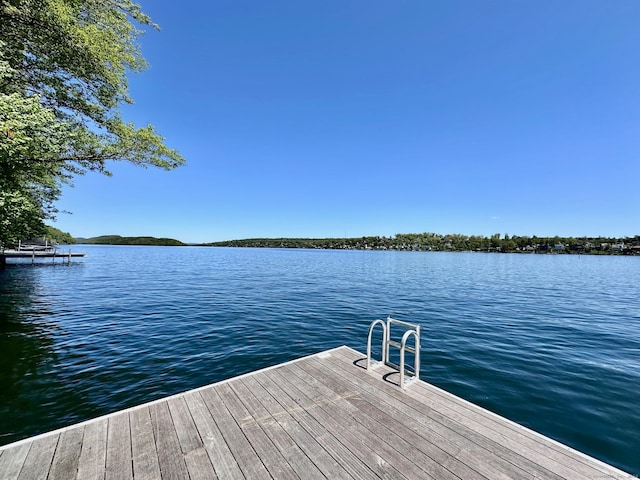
[(36, 254), (322, 416)]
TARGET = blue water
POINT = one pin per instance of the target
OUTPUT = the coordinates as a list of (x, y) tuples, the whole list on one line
[(550, 341)]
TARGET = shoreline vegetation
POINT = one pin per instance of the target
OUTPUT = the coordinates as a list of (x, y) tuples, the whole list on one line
[(118, 240), (430, 242)]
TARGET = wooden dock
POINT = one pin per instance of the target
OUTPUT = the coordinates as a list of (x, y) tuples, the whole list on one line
[(40, 254), (322, 416), (34, 255)]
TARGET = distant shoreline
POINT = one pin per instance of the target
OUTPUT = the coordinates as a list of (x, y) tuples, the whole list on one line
[(453, 243), (420, 242)]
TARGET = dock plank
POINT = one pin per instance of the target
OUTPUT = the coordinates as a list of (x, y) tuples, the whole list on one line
[(301, 438), (339, 426), (11, 461), (295, 457), (241, 449), (67, 454), (144, 455), (199, 465), (36, 465), (297, 413), (172, 464), (326, 422), (93, 456), (271, 457), (224, 464), (118, 462), (184, 425)]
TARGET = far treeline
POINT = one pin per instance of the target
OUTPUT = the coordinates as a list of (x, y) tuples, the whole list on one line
[(57, 236), (118, 240), (455, 243)]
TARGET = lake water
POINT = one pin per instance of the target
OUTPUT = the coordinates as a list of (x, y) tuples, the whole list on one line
[(549, 341)]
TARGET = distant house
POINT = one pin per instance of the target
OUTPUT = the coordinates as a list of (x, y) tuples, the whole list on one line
[(617, 247), (558, 247)]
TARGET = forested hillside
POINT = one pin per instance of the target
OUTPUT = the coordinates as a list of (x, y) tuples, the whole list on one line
[(118, 240), (454, 242)]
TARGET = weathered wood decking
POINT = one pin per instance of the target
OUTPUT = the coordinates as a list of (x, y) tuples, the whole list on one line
[(36, 255), (40, 254), (322, 416)]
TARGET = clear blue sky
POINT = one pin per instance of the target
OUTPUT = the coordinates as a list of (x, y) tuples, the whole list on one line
[(351, 118)]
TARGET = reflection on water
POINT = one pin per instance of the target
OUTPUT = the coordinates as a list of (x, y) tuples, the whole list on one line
[(27, 354)]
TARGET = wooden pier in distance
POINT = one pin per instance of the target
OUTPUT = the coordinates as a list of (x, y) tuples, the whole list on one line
[(34, 255), (322, 416)]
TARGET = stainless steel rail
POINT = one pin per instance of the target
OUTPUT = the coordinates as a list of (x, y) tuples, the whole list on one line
[(411, 329)]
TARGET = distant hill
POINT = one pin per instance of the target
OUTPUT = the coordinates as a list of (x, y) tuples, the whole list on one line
[(118, 240)]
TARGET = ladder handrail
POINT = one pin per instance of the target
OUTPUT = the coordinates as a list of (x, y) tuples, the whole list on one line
[(384, 336), (412, 329), (416, 368)]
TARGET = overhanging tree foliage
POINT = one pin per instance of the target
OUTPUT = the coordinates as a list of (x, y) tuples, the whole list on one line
[(63, 75)]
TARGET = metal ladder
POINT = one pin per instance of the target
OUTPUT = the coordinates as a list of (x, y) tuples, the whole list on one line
[(411, 329)]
